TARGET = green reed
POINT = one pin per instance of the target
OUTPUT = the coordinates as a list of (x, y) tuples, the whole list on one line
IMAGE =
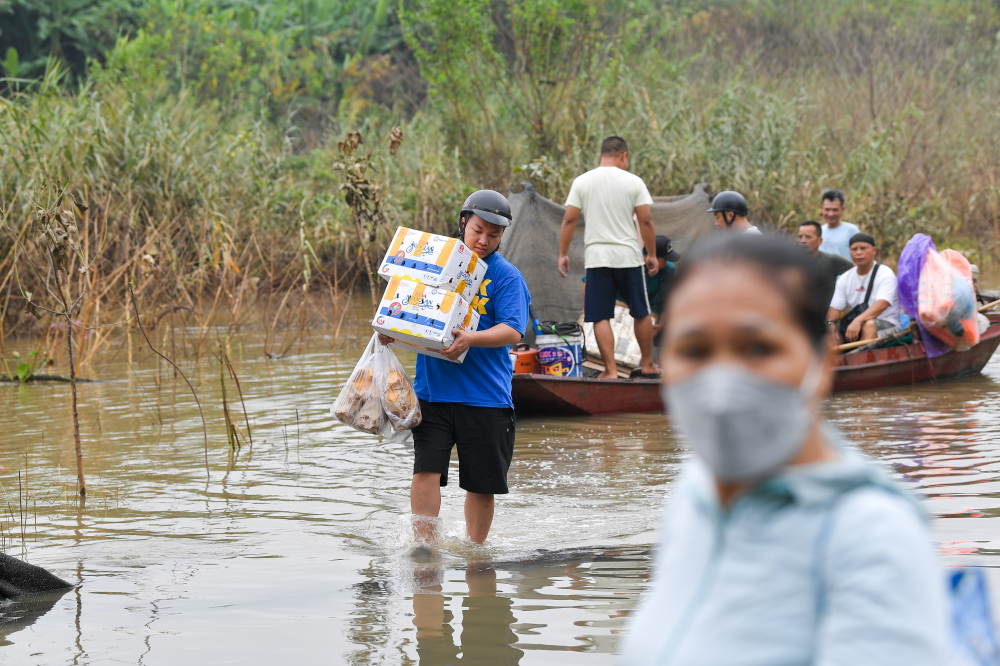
[(212, 200)]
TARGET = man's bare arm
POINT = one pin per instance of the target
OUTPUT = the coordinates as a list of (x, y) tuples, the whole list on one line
[(648, 233), (833, 314), (566, 234)]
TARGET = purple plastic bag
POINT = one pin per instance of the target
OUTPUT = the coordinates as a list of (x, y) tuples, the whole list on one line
[(911, 262)]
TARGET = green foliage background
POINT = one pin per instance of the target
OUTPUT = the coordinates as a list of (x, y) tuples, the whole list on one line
[(201, 128)]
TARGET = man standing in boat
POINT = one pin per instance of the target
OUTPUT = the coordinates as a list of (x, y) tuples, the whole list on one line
[(469, 404), (609, 196)]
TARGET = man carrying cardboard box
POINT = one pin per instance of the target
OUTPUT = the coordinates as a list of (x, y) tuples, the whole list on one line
[(469, 405)]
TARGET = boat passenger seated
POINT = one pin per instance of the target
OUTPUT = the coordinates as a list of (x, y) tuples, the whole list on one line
[(982, 298), (656, 285), (865, 303), (830, 266)]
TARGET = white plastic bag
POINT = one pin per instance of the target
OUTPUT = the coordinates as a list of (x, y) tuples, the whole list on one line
[(399, 400), (359, 404)]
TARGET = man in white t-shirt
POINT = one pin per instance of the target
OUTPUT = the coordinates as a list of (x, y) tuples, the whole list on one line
[(836, 233), (876, 308), (731, 212), (609, 196)]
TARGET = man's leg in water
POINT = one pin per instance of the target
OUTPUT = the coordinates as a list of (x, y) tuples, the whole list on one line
[(425, 504), (478, 515), (644, 336), (606, 344)]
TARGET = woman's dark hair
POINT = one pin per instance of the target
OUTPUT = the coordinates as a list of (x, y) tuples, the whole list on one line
[(463, 219), (782, 263)]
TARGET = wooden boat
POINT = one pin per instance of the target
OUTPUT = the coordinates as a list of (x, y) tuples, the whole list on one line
[(908, 364), (550, 395), (547, 395)]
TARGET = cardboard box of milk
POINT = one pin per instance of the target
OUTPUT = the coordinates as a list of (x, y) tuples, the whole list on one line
[(421, 318), (437, 261)]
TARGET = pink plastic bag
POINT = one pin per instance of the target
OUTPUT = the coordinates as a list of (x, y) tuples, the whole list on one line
[(947, 300)]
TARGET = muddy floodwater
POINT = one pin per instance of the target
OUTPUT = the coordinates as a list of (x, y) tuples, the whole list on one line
[(294, 550)]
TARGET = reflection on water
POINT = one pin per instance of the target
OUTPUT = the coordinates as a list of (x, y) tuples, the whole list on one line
[(942, 440), (485, 618), (499, 612), (299, 547), (15, 616)]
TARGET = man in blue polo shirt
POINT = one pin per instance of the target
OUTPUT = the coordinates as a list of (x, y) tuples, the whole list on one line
[(469, 404), (837, 234)]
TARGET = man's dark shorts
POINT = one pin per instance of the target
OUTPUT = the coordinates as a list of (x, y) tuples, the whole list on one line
[(485, 439), (604, 283)]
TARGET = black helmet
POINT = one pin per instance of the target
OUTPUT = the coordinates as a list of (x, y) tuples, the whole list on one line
[(490, 206), (729, 202)]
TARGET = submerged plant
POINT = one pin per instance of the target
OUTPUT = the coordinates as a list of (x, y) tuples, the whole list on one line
[(25, 371), (56, 236), (233, 431)]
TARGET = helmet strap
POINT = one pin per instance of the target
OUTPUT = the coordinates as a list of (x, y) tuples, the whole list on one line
[(730, 218)]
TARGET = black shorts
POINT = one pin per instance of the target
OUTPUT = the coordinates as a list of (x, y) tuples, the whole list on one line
[(485, 439), (604, 283)]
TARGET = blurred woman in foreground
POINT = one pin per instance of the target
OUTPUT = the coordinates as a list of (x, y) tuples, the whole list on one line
[(780, 545)]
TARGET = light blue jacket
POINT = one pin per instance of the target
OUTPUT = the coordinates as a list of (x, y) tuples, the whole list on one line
[(829, 564)]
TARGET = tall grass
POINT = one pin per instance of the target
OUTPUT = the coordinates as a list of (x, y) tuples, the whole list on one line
[(206, 213), (211, 179), (895, 103)]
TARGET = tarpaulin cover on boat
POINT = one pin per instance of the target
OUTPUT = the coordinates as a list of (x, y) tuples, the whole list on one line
[(532, 244)]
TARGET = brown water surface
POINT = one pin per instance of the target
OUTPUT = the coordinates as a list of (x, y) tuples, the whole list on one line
[(297, 548)]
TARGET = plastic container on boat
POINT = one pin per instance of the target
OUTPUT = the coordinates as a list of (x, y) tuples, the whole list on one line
[(560, 355), (525, 359)]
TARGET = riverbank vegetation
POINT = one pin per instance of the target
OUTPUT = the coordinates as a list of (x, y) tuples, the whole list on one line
[(201, 135)]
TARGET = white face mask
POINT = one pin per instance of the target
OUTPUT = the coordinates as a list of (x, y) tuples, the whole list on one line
[(744, 427)]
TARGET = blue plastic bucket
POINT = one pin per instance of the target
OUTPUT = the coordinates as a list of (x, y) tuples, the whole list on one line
[(560, 355)]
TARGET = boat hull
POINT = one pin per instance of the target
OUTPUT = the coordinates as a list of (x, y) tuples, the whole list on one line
[(909, 364), (548, 395)]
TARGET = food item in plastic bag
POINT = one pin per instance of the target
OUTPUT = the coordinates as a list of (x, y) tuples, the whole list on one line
[(358, 404), (947, 300), (370, 415), (399, 399)]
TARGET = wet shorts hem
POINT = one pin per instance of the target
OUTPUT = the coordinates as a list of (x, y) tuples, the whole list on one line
[(484, 437)]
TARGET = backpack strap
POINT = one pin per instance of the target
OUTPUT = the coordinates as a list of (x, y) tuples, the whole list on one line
[(871, 285)]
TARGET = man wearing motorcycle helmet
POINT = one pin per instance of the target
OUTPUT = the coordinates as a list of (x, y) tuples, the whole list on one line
[(730, 210), (469, 404)]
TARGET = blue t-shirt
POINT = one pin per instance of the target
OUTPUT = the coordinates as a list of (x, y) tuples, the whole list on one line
[(838, 241), (483, 379)]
